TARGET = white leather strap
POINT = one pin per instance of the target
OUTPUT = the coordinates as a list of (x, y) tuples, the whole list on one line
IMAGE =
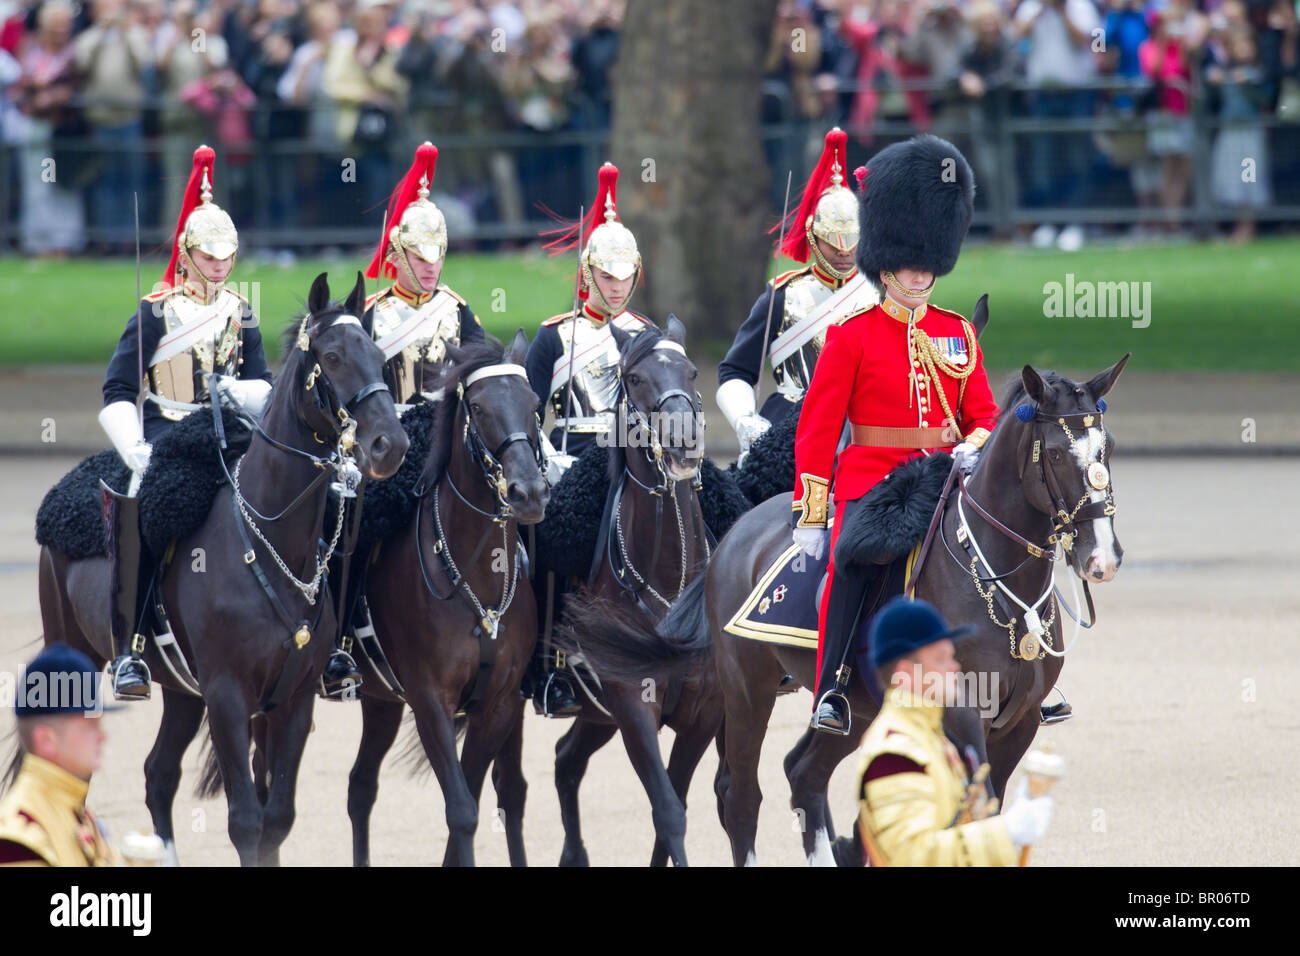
[(505, 368)]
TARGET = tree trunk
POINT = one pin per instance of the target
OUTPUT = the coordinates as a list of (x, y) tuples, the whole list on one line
[(694, 180)]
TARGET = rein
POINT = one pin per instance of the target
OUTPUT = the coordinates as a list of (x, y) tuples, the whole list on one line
[(489, 465)]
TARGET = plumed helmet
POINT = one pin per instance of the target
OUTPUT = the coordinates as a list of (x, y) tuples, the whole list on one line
[(202, 225), (417, 225), (607, 243), (828, 209), (917, 200)]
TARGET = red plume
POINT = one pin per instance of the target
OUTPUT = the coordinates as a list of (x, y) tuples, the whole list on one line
[(796, 236), (204, 158), (426, 157), (860, 174), (566, 237)]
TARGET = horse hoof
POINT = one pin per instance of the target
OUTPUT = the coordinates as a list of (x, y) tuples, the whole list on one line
[(575, 857)]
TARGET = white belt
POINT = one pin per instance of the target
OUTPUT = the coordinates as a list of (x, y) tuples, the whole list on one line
[(172, 404), (586, 424), (790, 390)]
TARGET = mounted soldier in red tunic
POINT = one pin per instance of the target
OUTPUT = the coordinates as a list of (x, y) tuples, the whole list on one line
[(904, 378)]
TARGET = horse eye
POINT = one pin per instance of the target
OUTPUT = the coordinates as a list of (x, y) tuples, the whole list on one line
[(694, 374), (634, 379), (474, 408), (331, 358)]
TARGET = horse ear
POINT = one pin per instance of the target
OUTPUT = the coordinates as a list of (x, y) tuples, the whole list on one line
[(981, 317), (455, 354), (676, 330), (1035, 387), (518, 348), (356, 302), (621, 338), (1102, 382), (318, 299)]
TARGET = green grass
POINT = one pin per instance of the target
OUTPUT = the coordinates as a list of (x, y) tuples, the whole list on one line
[(1213, 306)]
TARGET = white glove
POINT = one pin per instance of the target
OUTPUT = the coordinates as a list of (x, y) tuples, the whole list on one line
[(1027, 819), (812, 541), (749, 428), (120, 422), (966, 455), (250, 394), (556, 462)]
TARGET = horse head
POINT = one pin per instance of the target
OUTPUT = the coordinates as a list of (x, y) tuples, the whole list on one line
[(657, 382), (340, 374), (498, 418), (1063, 450)]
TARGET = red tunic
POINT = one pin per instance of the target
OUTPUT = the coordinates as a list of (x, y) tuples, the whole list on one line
[(863, 374)]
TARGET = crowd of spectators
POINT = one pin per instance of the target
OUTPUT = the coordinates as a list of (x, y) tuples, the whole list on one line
[(1149, 67), (106, 99)]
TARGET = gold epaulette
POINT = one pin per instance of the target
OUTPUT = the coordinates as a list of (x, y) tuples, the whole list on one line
[(235, 294), (375, 297), (785, 277), (160, 295), (948, 313), (557, 319), (451, 292)]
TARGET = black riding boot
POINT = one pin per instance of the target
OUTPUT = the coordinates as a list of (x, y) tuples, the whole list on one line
[(849, 588), (341, 676), (550, 684), (128, 671)]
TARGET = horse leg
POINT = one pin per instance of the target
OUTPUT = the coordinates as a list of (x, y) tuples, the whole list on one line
[(286, 736), (380, 722), (722, 778), (511, 787), (484, 740), (182, 715), (228, 723), (261, 760), (687, 750), (572, 752), (640, 728), (438, 734), (746, 725), (1006, 750), (809, 777)]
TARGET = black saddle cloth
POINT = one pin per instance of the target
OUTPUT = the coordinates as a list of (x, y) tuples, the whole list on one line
[(176, 493)]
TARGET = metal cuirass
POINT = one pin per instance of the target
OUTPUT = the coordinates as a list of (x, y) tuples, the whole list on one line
[(802, 296), (432, 325), (182, 377), (595, 371)]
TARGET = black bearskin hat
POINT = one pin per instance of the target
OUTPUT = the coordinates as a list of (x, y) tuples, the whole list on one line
[(916, 205)]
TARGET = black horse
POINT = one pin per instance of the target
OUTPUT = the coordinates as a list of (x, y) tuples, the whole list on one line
[(256, 636), (452, 603), (1042, 480)]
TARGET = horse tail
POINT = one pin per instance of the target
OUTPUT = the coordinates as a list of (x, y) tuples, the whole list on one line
[(619, 643), (209, 783), (413, 757)]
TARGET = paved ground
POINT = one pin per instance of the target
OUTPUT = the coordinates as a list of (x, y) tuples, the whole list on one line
[(1182, 753)]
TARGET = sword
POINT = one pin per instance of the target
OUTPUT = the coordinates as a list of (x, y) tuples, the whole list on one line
[(573, 337), (139, 333), (771, 301)]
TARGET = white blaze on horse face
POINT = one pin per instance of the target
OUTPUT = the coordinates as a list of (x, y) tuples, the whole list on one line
[(1104, 558)]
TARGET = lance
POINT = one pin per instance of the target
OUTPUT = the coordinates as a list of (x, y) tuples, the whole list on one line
[(771, 299), (573, 336), (139, 332)]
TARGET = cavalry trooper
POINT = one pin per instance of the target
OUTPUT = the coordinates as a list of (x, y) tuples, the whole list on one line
[(907, 376), (43, 818), (417, 316), (792, 315), (573, 364), (192, 327), (414, 320), (916, 805)]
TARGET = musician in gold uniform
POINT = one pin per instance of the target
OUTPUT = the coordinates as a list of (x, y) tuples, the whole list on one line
[(44, 820), (917, 807)]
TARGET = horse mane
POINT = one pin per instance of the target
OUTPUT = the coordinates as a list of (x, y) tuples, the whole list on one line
[(442, 429), (642, 344), (294, 356)]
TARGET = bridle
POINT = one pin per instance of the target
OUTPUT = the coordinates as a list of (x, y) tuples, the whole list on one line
[(1064, 528), (620, 560), (341, 461), (490, 466)]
